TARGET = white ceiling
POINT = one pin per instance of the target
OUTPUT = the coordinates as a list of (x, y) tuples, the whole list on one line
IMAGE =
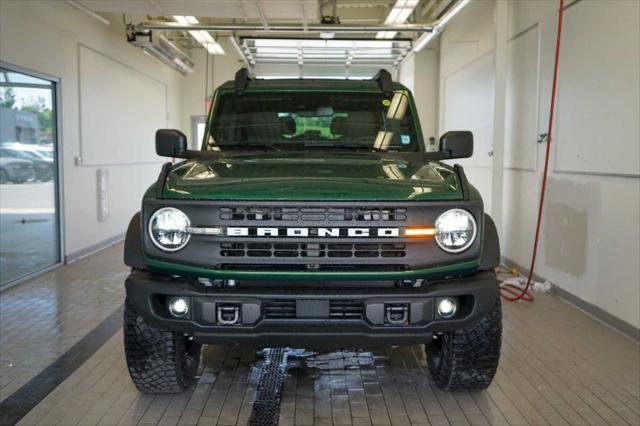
[(222, 9)]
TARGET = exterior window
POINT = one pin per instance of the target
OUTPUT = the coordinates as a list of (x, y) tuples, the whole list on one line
[(29, 222)]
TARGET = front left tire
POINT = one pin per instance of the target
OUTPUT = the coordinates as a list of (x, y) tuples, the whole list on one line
[(159, 361)]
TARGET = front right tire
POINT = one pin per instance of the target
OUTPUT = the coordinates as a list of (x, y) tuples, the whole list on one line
[(159, 361), (467, 360)]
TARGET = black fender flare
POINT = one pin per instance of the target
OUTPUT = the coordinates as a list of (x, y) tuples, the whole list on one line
[(133, 255), (490, 246)]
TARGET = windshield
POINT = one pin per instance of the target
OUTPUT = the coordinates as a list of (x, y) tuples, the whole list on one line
[(308, 120)]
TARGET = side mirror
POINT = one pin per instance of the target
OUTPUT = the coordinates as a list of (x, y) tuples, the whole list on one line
[(170, 143), (457, 144)]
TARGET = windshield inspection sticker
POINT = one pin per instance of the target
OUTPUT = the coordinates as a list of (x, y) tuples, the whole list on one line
[(405, 139)]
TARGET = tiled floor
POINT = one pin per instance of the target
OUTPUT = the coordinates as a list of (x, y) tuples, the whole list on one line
[(558, 366), (42, 318)]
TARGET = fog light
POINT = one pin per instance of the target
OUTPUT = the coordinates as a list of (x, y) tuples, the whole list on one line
[(447, 307), (179, 307)]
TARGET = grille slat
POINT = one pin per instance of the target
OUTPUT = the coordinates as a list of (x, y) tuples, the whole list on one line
[(280, 309), (313, 214), (290, 250), (345, 309), (338, 309)]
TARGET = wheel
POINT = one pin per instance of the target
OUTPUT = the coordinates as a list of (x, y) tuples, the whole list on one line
[(467, 359), (4, 177), (158, 361)]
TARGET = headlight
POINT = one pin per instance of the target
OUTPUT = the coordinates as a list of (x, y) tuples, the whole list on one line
[(455, 230), (168, 229)]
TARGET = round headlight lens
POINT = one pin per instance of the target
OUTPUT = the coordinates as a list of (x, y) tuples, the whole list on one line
[(455, 230), (168, 229)]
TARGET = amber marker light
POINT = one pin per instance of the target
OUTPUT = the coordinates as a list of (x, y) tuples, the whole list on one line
[(419, 231)]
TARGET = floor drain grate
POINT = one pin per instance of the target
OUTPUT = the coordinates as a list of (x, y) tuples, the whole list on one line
[(266, 408)]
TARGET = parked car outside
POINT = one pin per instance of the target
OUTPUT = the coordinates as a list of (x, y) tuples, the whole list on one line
[(15, 170), (43, 165)]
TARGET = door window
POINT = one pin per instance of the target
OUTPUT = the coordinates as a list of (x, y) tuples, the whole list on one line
[(29, 223)]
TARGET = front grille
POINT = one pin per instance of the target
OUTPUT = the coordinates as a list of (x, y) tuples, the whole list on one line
[(316, 250), (280, 309), (338, 309), (313, 214), (345, 309)]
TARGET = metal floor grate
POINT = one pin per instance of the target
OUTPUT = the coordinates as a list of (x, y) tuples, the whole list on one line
[(266, 407)]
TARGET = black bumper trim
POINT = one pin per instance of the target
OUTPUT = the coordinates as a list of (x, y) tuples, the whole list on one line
[(148, 293)]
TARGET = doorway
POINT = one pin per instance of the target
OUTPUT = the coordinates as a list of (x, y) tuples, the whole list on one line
[(30, 234)]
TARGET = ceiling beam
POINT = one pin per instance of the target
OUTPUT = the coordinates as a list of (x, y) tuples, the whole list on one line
[(263, 16), (305, 23), (415, 28)]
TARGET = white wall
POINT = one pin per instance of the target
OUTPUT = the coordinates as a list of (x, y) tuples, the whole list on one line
[(467, 75), (200, 85), (407, 71), (193, 99), (590, 243), (44, 37), (419, 73)]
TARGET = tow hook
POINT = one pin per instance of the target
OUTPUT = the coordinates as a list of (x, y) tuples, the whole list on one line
[(228, 314), (397, 313)]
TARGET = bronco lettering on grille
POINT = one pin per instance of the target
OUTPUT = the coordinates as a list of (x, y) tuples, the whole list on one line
[(236, 231)]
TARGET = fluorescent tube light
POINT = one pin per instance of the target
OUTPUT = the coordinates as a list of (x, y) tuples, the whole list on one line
[(400, 12), (169, 54), (201, 36)]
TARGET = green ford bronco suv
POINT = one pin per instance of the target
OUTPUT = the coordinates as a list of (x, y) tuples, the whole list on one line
[(312, 216)]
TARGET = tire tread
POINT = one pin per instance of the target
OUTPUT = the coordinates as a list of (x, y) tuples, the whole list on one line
[(467, 359), (156, 359)]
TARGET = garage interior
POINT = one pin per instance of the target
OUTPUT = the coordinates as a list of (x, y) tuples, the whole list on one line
[(84, 87)]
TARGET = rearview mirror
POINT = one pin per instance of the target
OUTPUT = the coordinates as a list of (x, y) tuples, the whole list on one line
[(170, 143), (457, 144)]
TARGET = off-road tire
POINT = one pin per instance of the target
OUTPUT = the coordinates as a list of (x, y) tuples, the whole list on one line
[(158, 361), (467, 360)]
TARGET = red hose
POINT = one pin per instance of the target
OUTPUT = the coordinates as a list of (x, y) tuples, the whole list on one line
[(507, 291)]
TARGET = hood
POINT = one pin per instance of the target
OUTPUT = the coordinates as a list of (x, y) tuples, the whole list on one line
[(311, 176)]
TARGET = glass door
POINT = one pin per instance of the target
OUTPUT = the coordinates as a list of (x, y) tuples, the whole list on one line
[(29, 219)]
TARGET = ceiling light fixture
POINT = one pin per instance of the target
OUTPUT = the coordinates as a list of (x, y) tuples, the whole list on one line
[(400, 12), (169, 54), (160, 48), (201, 36)]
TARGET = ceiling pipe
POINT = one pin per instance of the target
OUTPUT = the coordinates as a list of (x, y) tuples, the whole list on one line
[(439, 25), (174, 26), (437, 29)]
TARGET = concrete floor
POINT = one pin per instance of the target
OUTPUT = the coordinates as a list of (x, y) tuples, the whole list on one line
[(558, 366)]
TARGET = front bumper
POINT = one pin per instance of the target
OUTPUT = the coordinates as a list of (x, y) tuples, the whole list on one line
[(299, 316)]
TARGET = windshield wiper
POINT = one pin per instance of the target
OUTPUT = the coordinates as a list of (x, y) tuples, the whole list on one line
[(351, 146), (246, 145)]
